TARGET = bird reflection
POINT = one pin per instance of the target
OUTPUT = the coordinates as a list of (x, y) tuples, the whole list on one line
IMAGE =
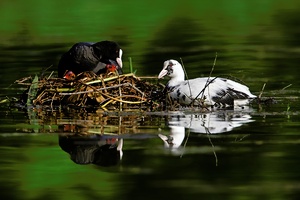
[(95, 149), (212, 123), (175, 138), (208, 123)]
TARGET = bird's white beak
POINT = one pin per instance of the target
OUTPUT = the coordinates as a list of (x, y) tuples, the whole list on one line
[(119, 59), (162, 73)]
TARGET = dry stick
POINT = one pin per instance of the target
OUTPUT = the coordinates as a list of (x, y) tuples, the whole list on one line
[(104, 86), (210, 73), (111, 78), (100, 89), (50, 75), (286, 86), (143, 94), (87, 91), (51, 105), (131, 96), (120, 124), (208, 80), (212, 145), (120, 92), (104, 105), (22, 80), (44, 70), (116, 99), (202, 91), (39, 98), (240, 139), (95, 88), (187, 138), (213, 67), (259, 96)]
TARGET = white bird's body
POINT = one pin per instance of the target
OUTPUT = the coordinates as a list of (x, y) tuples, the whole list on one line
[(203, 91)]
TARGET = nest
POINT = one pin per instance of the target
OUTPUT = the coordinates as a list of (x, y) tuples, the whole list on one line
[(108, 91)]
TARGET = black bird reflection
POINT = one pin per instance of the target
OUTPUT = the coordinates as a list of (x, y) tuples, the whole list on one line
[(101, 150)]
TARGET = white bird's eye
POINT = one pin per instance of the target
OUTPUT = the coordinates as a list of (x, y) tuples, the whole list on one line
[(169, 69)]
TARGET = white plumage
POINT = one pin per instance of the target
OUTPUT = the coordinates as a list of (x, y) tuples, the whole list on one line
[(203, 91)]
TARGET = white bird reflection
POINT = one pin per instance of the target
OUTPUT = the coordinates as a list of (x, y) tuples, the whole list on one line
[(208, 123), (175, 138)]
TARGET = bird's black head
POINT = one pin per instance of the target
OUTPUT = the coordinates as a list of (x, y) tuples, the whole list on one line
[(108, 50)]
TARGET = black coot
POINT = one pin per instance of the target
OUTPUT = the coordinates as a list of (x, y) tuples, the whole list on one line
[(87, 56)]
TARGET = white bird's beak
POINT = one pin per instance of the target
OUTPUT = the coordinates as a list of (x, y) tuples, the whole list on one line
[(119, 59), (162, 73)]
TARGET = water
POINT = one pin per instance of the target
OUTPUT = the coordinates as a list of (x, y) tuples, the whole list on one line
[(230, 154)]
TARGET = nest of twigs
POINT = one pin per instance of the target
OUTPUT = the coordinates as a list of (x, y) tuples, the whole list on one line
[(106, 91)]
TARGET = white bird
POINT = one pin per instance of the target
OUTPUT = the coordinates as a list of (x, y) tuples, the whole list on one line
[(208, 91)]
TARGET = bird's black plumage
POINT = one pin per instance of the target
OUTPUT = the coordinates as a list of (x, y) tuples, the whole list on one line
[(87, 56)]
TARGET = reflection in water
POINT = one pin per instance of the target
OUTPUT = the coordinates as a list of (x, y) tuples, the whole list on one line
[(92, 149), (175, 138), (209, 123), (97, 138), (216, 122), (256, 41)]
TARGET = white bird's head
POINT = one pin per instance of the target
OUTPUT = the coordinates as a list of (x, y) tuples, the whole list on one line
[(172, 69)]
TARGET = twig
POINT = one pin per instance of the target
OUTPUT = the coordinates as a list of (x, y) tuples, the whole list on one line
[(120, 93), (262, 90), (148, 77), (44, 70), (210, 73), (202, 91), (213, 67), (99, 89), (50, 75), (208, 81), (103, 83), (120, 100), (186, 140), (287, 86), (51, 104), (110, 87), (111, 78), (212, 145), (142, 93)]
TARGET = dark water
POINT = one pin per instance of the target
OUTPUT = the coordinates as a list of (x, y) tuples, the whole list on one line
[(225, 154)]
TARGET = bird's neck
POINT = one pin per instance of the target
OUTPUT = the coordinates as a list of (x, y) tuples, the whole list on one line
[(179, 78)]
